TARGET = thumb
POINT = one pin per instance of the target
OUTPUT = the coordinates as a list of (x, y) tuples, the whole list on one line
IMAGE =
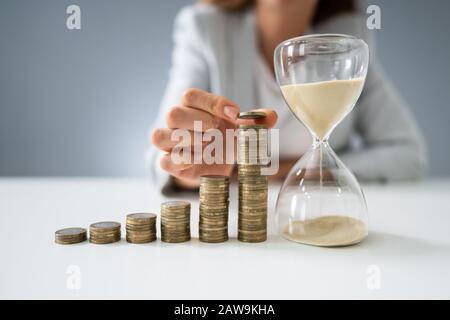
[(268, 122)]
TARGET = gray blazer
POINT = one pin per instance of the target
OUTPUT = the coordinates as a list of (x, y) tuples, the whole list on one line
[(215, 51)]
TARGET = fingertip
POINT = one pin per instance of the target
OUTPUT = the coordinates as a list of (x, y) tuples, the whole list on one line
[(189, 95), (174, 116), (155, 136), (174, 165), (231, 112), (164, 162), (270, 120)]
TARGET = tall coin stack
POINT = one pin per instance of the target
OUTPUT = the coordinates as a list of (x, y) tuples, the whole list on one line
[(104, 232), (175, 221), (253, 187), (141, 227), (214, 199)]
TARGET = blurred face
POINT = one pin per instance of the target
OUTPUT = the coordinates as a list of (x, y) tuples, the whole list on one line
[(285, 4)]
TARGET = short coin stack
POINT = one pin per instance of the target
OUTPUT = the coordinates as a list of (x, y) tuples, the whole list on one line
[(70, 235), (253, 187), (104, 232), (214, 200), (175, 221), (141, 227)]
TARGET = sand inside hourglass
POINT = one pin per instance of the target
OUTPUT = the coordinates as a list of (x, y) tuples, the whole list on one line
[(321, 105), (326, 231)]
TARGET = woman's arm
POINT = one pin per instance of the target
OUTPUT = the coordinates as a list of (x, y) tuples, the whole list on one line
[(187, 100), (394, 148), (189, 69)]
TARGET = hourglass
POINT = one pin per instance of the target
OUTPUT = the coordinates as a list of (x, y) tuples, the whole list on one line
[(321, 78)]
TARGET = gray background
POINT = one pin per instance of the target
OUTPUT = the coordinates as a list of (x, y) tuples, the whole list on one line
[(81, 102)]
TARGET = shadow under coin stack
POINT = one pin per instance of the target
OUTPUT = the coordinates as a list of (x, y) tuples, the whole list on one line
[(214, 200), (253, 187), (70, 235), (175, 221), (141, 227), (104, 232)]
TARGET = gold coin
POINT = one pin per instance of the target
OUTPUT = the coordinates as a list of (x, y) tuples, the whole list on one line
[(251, 240), (141, 218), (104, 227), (176, 239), (244, 127), (105, 240), (70, 235), (104, 232), (252, 115)]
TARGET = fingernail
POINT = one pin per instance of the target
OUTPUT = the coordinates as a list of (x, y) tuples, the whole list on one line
[(231, 112)]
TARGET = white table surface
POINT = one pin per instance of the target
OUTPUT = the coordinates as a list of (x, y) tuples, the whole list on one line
[(407, 254)]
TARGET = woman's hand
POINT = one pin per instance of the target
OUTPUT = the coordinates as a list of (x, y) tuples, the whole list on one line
[(214, 112)]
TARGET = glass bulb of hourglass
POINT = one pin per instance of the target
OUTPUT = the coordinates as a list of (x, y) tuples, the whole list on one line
[(321, 78)]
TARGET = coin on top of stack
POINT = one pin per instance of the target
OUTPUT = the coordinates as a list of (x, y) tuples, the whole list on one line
[(175, 221), (141, 227), (104, 232), (214, 201), (253, 186), (252, 115), (70, 235)]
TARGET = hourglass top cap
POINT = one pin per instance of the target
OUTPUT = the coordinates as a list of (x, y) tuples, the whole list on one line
[(324, 43)]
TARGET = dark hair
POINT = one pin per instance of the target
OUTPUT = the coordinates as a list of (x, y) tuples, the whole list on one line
[(330, 8), (325, 8)]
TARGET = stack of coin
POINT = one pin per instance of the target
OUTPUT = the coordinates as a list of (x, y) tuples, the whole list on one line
[(214, 198), (141, 227), (70, 235), (253, 186), (104, 232), (252, 145), (175, 221)]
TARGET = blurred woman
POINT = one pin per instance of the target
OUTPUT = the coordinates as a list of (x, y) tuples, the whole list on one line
[(223, 63)]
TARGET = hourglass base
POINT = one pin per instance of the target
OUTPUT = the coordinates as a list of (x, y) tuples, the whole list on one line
[(321, 202), (326, 231)]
